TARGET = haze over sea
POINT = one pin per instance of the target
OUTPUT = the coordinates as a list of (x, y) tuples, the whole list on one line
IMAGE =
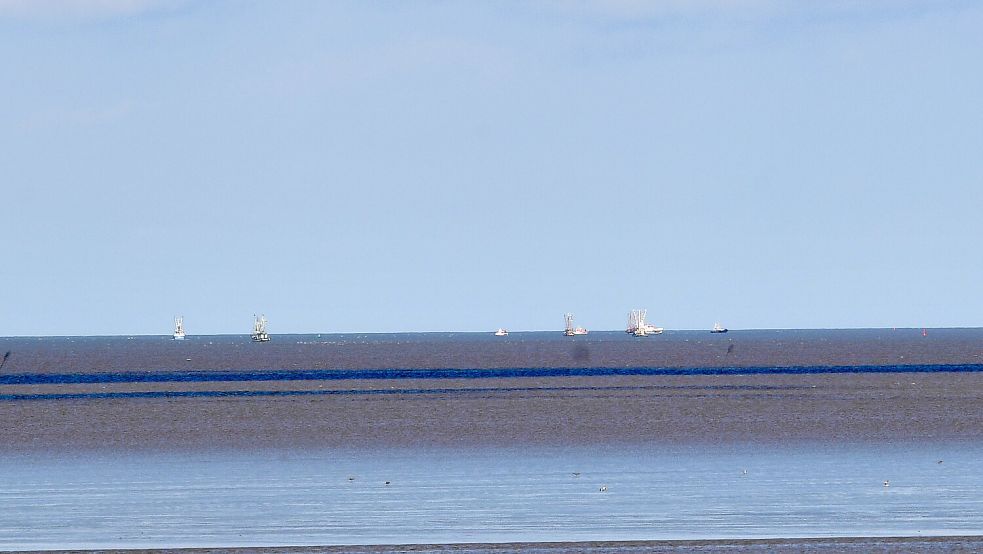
[(215, 441)]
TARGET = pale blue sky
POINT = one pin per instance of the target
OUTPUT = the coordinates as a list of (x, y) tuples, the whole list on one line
[(419, 166)]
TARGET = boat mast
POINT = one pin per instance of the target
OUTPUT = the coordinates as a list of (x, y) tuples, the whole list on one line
[(568, 324), (636, 323), (259, 329)]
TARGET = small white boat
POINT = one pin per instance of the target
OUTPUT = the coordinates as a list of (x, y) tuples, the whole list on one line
[(653, 330), (259, 330), (179, 328), (501, 332), (569, 330), (718, 328)]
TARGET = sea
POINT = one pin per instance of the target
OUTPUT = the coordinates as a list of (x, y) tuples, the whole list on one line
[(603, 442)]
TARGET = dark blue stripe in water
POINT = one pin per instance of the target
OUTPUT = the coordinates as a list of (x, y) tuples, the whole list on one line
[(223, 394), (356, 374)]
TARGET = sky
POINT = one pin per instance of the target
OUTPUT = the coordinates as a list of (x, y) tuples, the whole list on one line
[(464, 166)]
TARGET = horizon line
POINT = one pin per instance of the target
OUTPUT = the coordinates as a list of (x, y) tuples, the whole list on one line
[(483, 332)]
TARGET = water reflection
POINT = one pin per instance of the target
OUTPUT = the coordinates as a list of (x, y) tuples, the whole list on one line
[(488, 495)]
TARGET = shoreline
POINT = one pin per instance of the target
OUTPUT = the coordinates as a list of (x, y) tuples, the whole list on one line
[(941, 543)]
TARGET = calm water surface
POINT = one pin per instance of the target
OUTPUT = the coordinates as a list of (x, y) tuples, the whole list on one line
[(488, 495), (608, 349)]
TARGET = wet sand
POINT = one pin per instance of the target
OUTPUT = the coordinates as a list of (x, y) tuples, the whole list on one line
[(557, 411)]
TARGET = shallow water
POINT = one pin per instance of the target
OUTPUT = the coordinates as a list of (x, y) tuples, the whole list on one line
[(118, 442), (488, 495)]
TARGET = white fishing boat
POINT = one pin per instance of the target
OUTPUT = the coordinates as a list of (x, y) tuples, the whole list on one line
[(501, 332), (638, 327), (179, 328), (718, 328), (259, 329), (569, 329)]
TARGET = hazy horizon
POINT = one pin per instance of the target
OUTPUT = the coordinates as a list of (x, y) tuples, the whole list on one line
[(559, 329), (426, 166)]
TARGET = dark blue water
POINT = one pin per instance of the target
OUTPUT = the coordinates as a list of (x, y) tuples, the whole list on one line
[(394, 374), (506, 373)]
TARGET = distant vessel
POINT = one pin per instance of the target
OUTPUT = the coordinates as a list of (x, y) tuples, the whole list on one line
[(259, 330), (718, 328), (179, 328), (501, 332), (638, 327), (569, 330)]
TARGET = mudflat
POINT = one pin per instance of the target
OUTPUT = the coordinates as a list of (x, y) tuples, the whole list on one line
[(606, 410)]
